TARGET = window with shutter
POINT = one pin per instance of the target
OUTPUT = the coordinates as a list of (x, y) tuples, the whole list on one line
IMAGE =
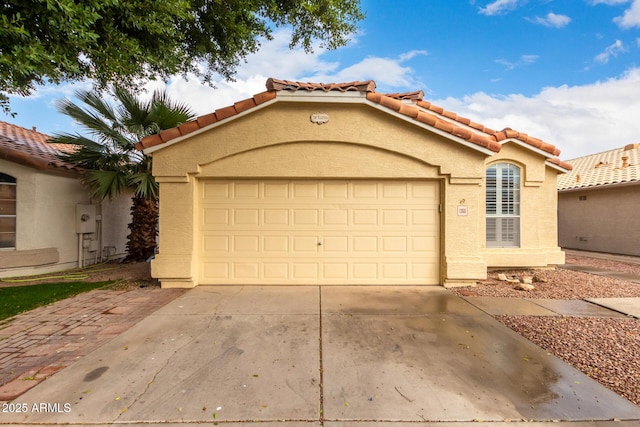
[(503, 205), (7, 212)]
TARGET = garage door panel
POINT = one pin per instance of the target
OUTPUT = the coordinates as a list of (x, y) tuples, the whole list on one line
[(394, 191), (215, 217), (335, 191), (216, 270), (335, 270), (391, 217), (305, 190), (274, 216), (394, 244), (302, 217), (246, 270), (250, 244), (305, 271), (319, 232), (246, 216), (246, 190), (365, 244), (365, 217), (339, 217), (275, 244), (276, 191), (278, 271), (334, 244)]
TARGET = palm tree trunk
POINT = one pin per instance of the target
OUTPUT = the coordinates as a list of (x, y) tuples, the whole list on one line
[(142, 242)]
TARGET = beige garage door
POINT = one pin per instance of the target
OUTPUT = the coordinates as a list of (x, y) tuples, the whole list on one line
[(319, 232)]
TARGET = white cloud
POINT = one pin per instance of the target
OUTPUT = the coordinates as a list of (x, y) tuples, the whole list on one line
[(385, 71), (523, 60), (579, 120), (551, 20), (608, 2), (499, 7), (612, 50), (631, 17), (275, 59)]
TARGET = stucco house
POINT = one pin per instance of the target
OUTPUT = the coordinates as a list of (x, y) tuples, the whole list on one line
[(47, 220), (599, 201), (311, 183)]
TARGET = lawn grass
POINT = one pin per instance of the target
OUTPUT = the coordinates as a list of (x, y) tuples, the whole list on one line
[(18, 299)]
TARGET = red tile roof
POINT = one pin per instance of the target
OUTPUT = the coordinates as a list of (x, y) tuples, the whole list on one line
[(613, 167), (30, 148), (410, 104)]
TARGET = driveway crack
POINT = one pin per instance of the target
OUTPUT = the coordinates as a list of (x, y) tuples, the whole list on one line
[(163, 367)]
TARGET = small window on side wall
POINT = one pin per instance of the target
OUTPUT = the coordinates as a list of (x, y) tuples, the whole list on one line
[(7, 211), (503, 205)]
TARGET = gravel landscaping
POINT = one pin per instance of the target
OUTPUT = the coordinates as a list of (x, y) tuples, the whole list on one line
[(606, 349)]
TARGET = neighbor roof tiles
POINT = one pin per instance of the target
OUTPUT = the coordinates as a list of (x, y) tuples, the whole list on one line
[(409, 104), (30, 148), (613, 167)]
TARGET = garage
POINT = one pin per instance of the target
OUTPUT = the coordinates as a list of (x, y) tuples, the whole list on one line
[(319, 232), (337, 184)]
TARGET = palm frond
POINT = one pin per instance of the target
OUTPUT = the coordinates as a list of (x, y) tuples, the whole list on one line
[(75, 140), (115, 124), (145, 184), (96, 124), (106, 183)]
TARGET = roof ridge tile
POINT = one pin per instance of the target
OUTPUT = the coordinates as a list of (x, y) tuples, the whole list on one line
[(421, 111)]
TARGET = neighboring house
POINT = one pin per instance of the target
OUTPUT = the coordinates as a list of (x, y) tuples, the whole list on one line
[(599, 202), (337, 184), (42, 203)]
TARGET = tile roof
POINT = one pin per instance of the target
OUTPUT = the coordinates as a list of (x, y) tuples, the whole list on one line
[(613, 167), (410, 104), (30, 148)]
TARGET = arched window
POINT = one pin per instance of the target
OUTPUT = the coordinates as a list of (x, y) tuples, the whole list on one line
[(503, 205), (7, 211)]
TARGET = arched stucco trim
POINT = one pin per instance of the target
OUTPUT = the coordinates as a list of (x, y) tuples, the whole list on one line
[(319, 159)]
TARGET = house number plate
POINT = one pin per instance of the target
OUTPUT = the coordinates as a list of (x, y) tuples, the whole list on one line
[(319, 118)]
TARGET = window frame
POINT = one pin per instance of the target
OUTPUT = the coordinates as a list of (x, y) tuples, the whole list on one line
[(12, 208), (503, 192)]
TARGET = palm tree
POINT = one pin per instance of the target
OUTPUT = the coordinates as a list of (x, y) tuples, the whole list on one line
[(108, 155)]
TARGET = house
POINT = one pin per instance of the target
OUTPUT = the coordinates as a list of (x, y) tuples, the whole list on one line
[(599, 201), (311, 183), (47, 220)]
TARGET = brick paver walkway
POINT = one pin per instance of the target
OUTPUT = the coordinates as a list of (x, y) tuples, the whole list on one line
[(41, 342)]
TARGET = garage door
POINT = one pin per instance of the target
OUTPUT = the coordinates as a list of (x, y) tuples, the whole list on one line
[(319, 232)]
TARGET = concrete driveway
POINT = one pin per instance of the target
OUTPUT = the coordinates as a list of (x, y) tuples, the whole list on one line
[(321, 355)]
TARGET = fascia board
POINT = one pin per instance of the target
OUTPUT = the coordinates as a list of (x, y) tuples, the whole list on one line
[(556, 167), (528, 147)]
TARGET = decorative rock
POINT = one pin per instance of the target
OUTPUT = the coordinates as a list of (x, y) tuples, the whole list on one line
[(502, 277), (513, 281), (527, 279), (524, 287), (539, 279), (466, 293)]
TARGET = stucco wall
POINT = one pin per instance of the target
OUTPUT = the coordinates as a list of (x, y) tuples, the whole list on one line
[(359, 141), (606, 221), (45, 217), (46, 238)]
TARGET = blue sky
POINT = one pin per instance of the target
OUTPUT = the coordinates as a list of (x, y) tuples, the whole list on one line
[(566, 71)]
